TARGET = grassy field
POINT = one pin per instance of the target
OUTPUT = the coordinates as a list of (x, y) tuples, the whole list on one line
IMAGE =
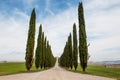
[(100, 71), (14, 67)]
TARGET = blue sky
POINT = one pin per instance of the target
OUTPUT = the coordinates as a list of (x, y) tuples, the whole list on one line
[(43, 7), (57, 17)]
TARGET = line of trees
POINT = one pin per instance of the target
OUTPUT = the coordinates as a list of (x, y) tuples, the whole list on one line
[(43, 53), (69, 58), (43, 57)]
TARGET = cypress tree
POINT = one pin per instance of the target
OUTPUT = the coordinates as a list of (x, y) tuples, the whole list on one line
[(44, 54), (48, 59), (83, 50), (66, 55), (30, 41), (64, 59), (41, 53), (70, 51), (42, 58), (52, 59), (38, 55), (75, 49)]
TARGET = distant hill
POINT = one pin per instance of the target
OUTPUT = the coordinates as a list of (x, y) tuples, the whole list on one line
[(110, 62), (104, 62)]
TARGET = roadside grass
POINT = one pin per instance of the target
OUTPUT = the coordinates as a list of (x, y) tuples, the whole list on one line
[(100, 71), (15, 67)]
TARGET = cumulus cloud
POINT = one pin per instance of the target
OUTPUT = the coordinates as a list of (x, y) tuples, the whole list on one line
[(103, 29), (13, 34)]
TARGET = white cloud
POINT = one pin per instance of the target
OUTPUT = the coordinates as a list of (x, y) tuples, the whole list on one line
[(101, 4), (103, 29), (28, 2), (48, 9), (13, 34)]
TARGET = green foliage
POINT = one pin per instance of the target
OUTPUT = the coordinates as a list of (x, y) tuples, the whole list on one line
[(66, 59), (63, 60), (50, 60), (42, 60), (83, 50), (46, 57), (69, 58), (44, 54), (43, 57), (70, 61), (30, 41), (75, 48), (38, 55)]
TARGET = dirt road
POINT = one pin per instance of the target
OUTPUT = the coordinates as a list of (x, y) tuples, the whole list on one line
[(55, 73)]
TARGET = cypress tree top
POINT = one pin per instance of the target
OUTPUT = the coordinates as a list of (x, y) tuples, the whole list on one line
[(81, 14), (33, 16)]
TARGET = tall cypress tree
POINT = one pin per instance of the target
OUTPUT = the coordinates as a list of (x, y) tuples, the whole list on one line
[(42, 58), (30, 41), (38, 55), (83, 50), (64, 59), (44, 54), (75, 49), (48, 59), (66, 55), (53, 59), (70, 51)]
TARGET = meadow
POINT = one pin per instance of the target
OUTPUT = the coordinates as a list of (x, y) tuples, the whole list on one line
[(14, 67), (100, 71)]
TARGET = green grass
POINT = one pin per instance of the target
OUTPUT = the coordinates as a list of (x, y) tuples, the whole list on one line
[(100, 71), (14, 67)]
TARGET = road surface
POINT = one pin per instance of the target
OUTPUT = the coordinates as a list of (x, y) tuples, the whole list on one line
[(55, 73)]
